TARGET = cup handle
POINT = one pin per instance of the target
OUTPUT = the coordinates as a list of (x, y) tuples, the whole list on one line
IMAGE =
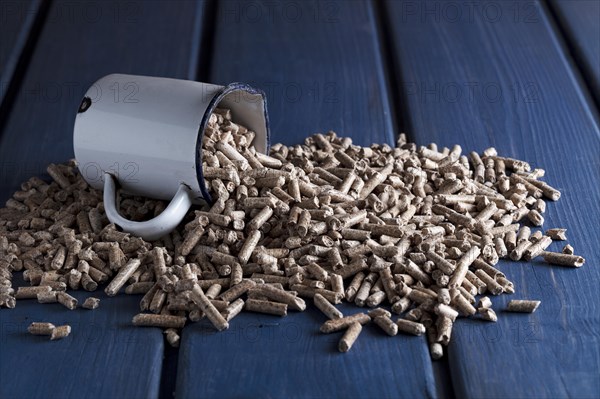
[(152, 229)]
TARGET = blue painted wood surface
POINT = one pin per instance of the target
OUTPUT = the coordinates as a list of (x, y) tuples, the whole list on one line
[(263, 356), (318, 62), (528, 103), (580, 20), (81, 42), (504, 79), (269, 356), (105, 355), (17, 20)]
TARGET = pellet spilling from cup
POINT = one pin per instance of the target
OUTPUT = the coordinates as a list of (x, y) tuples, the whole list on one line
[(413, 233)]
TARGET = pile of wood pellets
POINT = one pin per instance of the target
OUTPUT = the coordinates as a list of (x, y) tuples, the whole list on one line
[(406, 230)]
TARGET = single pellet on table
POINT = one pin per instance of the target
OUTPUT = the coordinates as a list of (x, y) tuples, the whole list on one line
[(522, 305)]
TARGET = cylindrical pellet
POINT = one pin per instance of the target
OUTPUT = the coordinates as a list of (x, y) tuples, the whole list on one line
[(281, 296), (31, 292), (488, 314), (60, 332), (410, 327), (122, 277), (492, 285), (561, 259), (172, 337), (66, 300), (213, 291), (331, 326), (233, 309), (461, 303), (462, 266), (91, 303), (387, 325), (484, 302), (537, 248), (445, 310), (444, 330), (350, 336), (249, 246), (237, 290), (47, 297), (158, 320), (217, 320), (268, 307), (327, 307), (522, 306), (40, 328)]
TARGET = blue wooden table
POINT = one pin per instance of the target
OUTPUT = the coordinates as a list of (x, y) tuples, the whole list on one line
[(522, 76)]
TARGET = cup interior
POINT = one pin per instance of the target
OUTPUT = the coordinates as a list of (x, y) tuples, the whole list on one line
[(249, 108)]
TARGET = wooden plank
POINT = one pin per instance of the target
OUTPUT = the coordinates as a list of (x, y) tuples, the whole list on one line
[(317, 62), (579, 21), (263, 356), (270, 356), (105, 355), (505, 82), (17, 20), (81, 42)]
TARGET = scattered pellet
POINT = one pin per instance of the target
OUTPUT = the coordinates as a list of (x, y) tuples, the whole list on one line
[(568, 250), (326, 307), (90, 303), (158, 320), (172, 337), (41, 328), (334, 325), (122, 277), (484, 302), (387, 325), (280, 295), (208, 308), (60, 332), (47, 297), (563, 259), (487, 314), (350, 336), (522, 306), (410, 327), (557, 234), (444, 330), (233, 309), (66, 300), (379, 312), (268, 307), (31, 292)]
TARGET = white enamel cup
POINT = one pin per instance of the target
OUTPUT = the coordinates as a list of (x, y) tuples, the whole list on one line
[(145, 134)]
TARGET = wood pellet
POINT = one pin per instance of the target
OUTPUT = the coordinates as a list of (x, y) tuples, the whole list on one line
[(60, 332), (522, 306), (417, 230), (41, 328)]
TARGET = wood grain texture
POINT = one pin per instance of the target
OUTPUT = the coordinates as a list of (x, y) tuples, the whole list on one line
[(104, 356), (317, 62), (81, 42), (270, 356), (265, 356), (506, 82), (16, 22), (580, 21)]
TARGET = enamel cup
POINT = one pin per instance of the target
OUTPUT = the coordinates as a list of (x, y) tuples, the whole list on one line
[(144, 135)]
